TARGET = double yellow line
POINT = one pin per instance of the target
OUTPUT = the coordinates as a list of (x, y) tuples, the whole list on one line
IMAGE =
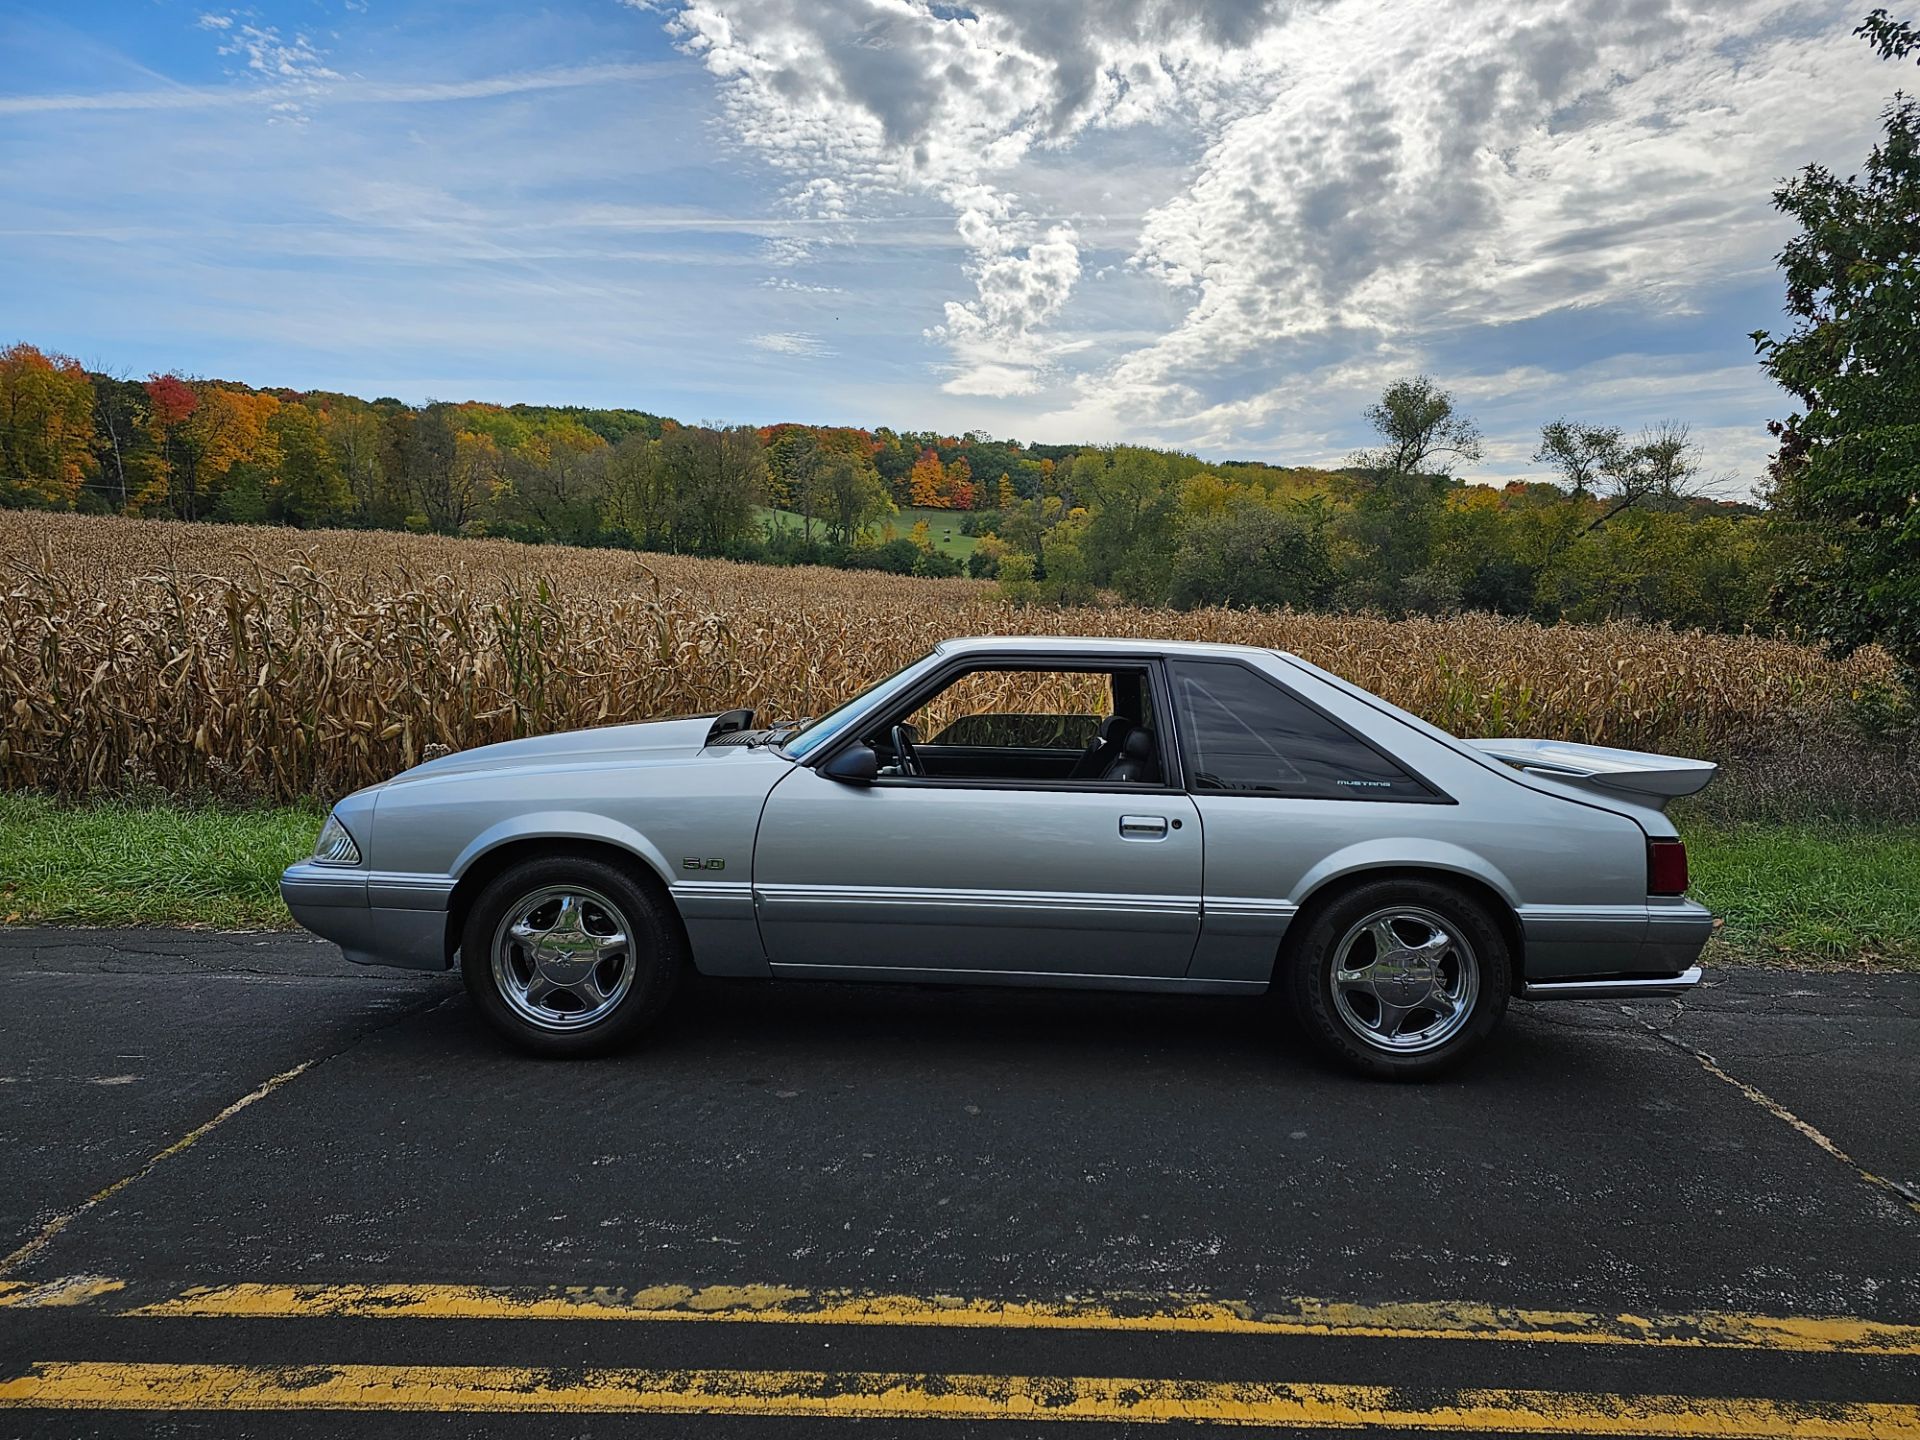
[(136, 1385), (1191, 1314), (861, 1394)]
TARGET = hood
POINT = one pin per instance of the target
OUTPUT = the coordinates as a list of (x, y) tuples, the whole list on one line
[(650, 740)]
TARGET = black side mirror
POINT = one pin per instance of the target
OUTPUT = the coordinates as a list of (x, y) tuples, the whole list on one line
[(855, 765)]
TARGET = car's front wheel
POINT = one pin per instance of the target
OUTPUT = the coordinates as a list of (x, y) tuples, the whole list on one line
[(1399, 978), (569, 955)]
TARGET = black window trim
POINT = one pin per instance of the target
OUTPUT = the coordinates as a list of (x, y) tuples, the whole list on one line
[(1172, 765), (1435, 795)]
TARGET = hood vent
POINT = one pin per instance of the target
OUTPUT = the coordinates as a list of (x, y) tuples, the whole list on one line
[(739, 737), (729, 722)]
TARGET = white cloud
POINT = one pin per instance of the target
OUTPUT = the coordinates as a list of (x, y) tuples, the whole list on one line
[(867, 96), (1368, 181), (790, 342), (1487, 166), (799, 287), (267, 53)]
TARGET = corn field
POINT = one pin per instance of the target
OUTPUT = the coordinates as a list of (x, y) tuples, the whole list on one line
[(276, 664)]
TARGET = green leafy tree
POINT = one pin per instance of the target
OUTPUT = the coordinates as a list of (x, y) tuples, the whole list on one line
[(793, 475), (444, 481), (717, 476), (556, 478), (309, 487), (1581, 454), (1849, 457), (1421, 431), (849, 491), (122, 446), (639, 500), (1252, 557), (1132, 497), (353, 431), (1423, 438)]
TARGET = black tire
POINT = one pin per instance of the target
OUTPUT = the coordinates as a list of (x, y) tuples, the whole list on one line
[(656, 953), (1308, 963)]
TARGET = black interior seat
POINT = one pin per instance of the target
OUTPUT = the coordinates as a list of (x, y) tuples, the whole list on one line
[(1135, 762), (1104, 751)]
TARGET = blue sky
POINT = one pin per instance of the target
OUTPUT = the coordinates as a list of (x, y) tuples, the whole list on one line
[(1216, 224)]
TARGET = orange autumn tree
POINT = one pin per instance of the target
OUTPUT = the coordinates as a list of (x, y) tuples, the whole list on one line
[(46, 427), (933, 486), (958, 493), (203, 439), (926, 481)]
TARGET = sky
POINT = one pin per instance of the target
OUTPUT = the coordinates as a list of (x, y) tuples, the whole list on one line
[(1222, 227)]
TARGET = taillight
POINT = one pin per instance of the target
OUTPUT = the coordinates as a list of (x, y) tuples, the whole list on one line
[(1666, 867)]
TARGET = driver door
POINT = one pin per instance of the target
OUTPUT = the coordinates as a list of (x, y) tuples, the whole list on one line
[(970, 869)]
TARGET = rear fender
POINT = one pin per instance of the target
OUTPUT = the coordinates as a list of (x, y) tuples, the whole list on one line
[(1403, 854)]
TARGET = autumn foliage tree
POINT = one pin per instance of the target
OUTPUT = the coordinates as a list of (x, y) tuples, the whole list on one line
[(926, 481), (171, 402), (46, 427), (228, 429)]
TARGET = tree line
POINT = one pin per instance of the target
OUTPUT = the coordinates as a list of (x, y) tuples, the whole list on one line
[(1627, 529), (194, 449), (1623, 530)]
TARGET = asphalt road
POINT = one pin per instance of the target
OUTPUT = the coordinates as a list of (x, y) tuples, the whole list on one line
[(1192, 1217)]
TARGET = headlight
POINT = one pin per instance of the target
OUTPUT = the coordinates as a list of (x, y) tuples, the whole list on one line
[(335, 846)]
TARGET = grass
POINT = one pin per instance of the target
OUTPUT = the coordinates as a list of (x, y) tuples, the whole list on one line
[(147, 864), (1801, 894), (1811, 892), (942, 525)]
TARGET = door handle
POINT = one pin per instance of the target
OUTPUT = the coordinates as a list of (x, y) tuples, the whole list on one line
[(1143, 827)]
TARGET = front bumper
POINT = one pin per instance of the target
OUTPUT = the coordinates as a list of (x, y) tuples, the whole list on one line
[(334, 902)]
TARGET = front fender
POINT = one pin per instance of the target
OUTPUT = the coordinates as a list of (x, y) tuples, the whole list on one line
[(562, 825)]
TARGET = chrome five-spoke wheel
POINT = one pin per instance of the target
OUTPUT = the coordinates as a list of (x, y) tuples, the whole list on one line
[(1405, 980), (563, 957)]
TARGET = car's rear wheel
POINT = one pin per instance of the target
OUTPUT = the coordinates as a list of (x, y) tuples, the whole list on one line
[(569, 955), (1399, 978)]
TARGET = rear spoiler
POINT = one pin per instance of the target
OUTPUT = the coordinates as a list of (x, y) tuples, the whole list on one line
[(1660, 776)]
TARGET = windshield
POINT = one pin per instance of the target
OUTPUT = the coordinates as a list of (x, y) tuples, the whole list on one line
[(831, 723)]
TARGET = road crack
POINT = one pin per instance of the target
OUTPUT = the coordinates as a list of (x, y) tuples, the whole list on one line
[(51, 1231), (1903, 1193)]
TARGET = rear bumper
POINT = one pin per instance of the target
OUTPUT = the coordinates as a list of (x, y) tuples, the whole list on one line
[(335, 903), (1613, 953)]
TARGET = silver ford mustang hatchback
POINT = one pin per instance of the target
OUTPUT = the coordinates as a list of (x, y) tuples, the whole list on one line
[(1114, 814)]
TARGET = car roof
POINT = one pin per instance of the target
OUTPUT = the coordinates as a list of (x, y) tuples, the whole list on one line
[(1104, 644)]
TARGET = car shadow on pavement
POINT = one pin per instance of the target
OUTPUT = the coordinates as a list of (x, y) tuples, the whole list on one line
[(1103, 1035)]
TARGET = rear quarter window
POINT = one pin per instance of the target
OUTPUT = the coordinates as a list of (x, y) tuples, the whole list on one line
[(1246, 735)]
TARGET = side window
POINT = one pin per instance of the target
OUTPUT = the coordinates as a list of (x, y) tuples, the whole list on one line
[(1245, 735), (1016, 709)]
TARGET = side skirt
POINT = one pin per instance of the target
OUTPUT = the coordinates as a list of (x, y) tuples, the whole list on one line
[(1019, 979)]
